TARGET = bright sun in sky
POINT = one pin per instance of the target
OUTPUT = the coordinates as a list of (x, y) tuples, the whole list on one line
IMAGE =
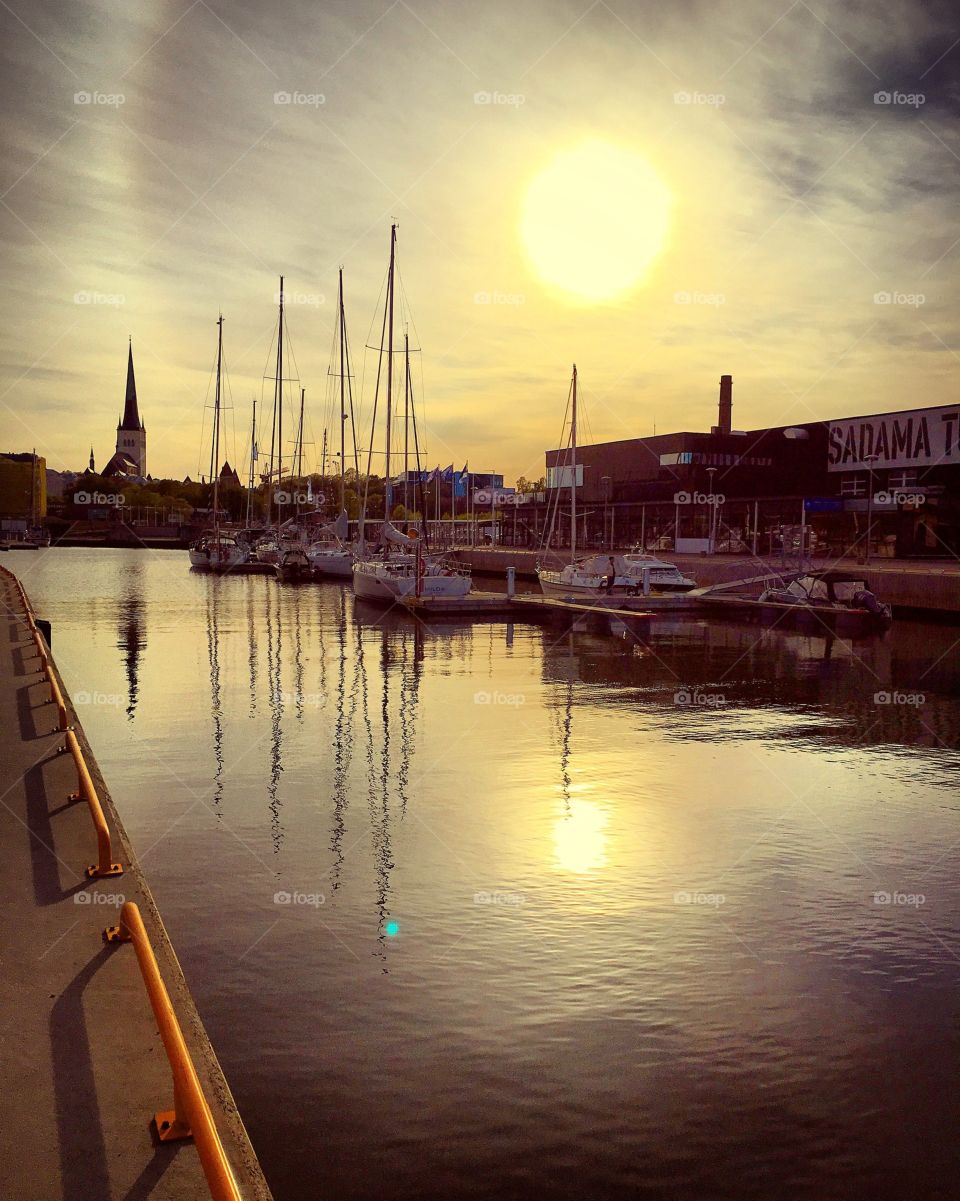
[(594, 220)]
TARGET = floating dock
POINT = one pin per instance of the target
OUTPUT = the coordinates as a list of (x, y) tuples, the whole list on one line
[(91, 1027), (494, 606)]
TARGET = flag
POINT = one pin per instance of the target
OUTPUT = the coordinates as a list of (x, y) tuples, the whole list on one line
[(447, 474)]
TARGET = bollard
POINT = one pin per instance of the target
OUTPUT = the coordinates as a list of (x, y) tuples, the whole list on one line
[(511, 581)]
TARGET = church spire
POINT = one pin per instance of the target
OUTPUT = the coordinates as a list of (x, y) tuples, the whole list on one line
[(92, 468), (131, 415)]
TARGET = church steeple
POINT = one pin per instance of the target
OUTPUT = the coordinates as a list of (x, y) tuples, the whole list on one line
[(92, 468), (131, 415)]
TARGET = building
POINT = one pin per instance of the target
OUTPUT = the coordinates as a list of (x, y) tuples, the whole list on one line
[(730, 489), (130, 458), (23, 493)]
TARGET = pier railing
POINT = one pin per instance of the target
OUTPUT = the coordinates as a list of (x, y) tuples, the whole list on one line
[(191, 1114), (86, 790)]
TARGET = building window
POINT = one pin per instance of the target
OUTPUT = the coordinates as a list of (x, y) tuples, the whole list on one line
[(853, 485), (902, 479)]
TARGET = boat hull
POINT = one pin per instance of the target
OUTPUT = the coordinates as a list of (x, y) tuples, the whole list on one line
[(373, 583), (336, 564)]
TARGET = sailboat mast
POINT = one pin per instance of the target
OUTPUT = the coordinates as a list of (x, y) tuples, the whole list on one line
[(303, 392), (343, 414), (253, 459), (573, 471), (388, 489), (215, 448), (406, 420), (278, 398)]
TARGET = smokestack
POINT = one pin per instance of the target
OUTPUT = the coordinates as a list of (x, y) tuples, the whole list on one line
[(726, 404)]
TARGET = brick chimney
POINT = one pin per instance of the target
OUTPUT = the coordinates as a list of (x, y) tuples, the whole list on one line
[(725, 420)]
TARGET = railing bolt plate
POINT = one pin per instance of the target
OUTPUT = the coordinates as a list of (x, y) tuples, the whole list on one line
[(94, 872), (169, 1126)]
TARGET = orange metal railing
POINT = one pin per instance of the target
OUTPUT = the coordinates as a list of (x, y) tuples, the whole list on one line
[(105, 865), (86, 791), (191, 1114)]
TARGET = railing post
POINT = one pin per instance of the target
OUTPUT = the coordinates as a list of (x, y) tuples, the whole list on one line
[(191, 1116), (105, 866)]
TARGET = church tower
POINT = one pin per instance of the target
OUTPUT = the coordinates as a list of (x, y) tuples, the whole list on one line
[(131, 432)]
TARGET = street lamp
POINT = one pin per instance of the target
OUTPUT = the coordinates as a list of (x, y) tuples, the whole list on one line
[(869, 459), (712, 501)]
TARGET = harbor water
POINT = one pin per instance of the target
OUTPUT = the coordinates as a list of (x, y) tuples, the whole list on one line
[(508, 911)]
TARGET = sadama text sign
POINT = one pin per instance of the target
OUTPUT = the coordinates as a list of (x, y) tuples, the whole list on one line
[(915, 438)]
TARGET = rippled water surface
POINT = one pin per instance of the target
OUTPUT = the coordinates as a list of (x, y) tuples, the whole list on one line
[(502, 911)]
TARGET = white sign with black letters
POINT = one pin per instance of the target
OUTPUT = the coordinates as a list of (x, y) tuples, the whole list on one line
[(914, 438)]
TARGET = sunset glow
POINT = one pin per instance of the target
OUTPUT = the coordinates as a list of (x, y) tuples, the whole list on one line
[(594, 220)]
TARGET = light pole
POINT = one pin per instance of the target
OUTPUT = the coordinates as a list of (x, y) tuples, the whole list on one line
[(712, 502), (870, 460)]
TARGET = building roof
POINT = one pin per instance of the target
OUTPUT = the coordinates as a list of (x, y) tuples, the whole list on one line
[(131, 415), (121, 465)]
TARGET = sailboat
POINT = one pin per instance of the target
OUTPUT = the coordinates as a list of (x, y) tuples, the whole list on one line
[(402, 567), (217, 550), (605, 575), (330, 555)]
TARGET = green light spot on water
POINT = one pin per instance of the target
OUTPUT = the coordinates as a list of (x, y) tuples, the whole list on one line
[(392, 929)]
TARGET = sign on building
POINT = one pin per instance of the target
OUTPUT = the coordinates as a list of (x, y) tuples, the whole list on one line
[(914, 438)]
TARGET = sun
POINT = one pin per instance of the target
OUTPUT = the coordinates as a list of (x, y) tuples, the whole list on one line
[(594, 221)]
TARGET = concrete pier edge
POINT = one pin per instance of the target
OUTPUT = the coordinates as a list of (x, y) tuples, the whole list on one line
[(226, 1115)]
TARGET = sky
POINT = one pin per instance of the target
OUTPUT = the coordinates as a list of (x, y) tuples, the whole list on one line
[(153, 176)]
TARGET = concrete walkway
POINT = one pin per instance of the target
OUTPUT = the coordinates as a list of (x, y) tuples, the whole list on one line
[(82, 1067)]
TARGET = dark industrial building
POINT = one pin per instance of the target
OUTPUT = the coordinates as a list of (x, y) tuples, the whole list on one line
[(753, 490)]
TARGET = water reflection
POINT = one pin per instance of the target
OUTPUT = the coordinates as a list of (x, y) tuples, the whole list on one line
[(216, 704), (707, 1050), (132, 633)]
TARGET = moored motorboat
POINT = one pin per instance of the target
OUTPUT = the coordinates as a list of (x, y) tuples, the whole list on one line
[(611, 575), (216, 550)]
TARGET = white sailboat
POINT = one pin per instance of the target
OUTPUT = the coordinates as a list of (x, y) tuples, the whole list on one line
[(402, 568), (594, 577), (216, 549)]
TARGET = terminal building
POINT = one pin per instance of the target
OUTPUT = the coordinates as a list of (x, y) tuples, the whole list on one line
[(740, 490)]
